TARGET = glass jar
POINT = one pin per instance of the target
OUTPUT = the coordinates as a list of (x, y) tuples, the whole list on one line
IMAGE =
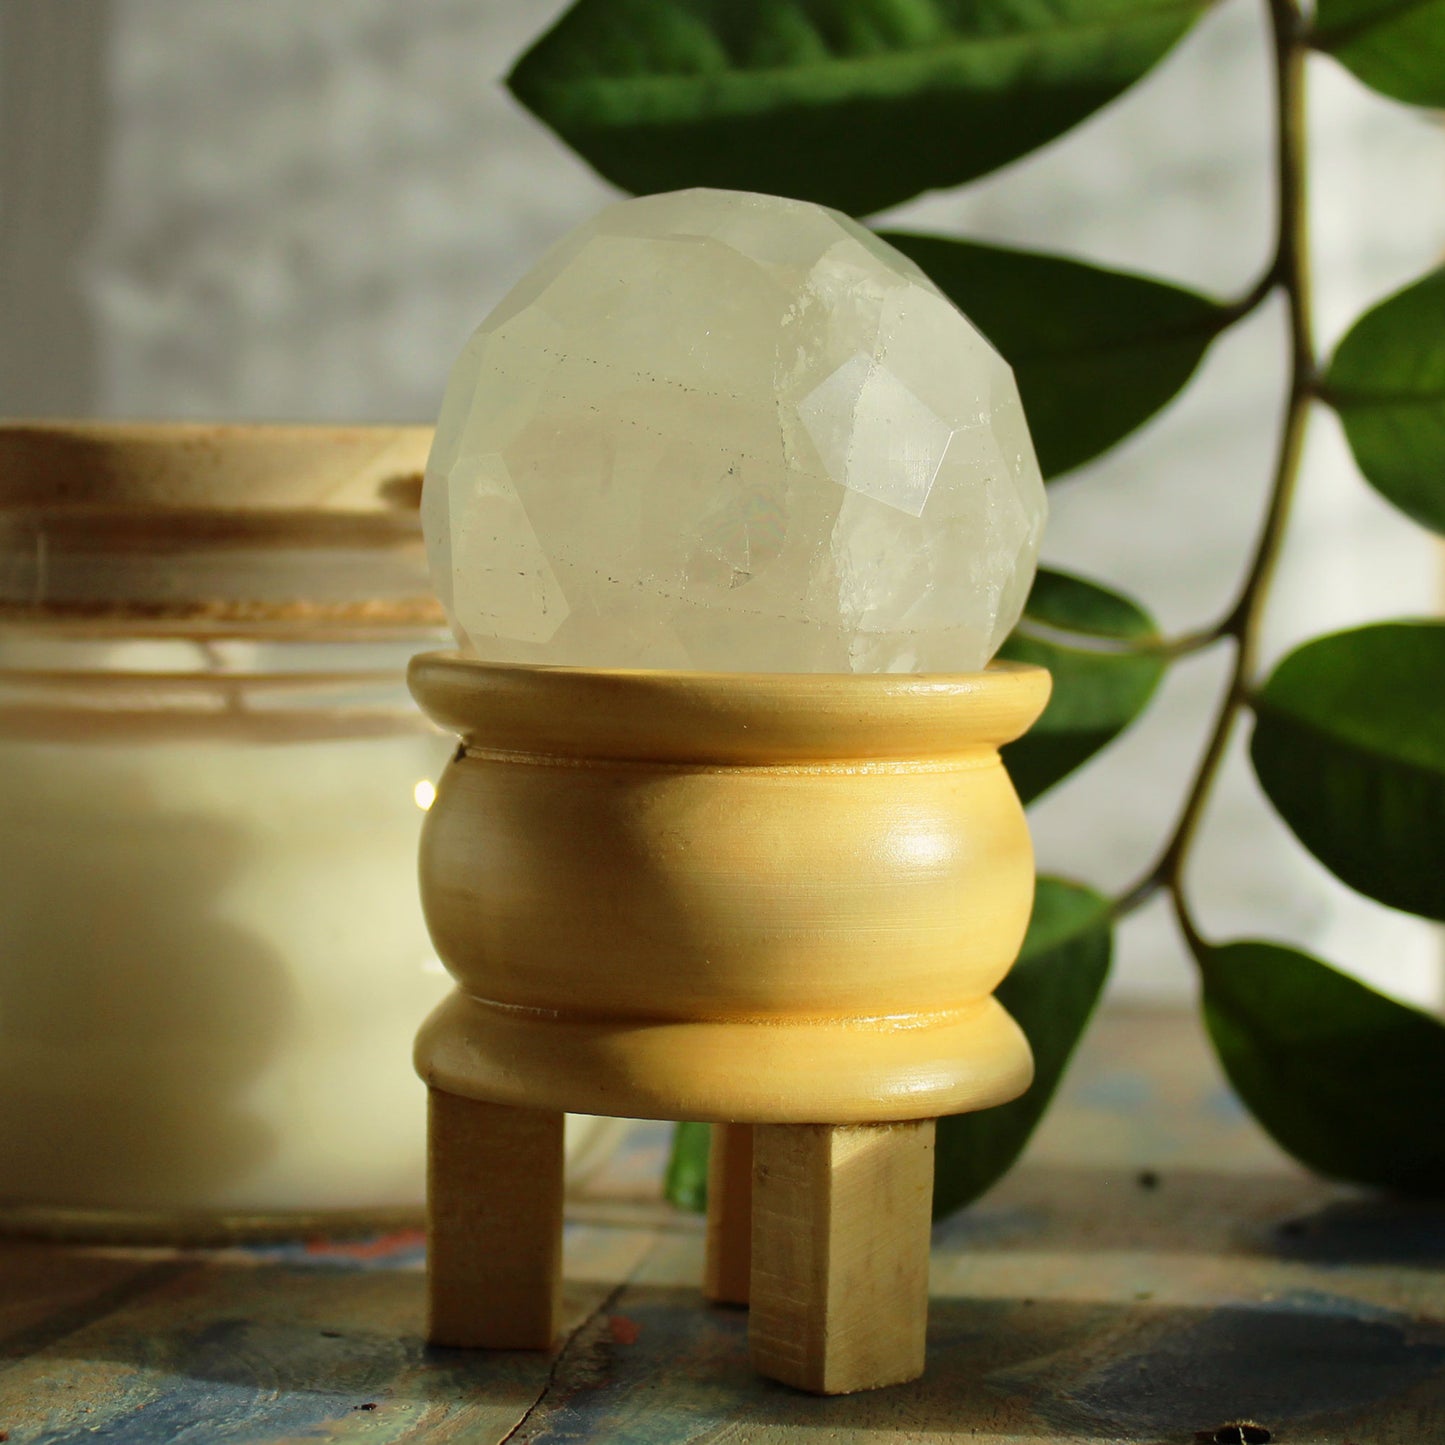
[(212, 957)]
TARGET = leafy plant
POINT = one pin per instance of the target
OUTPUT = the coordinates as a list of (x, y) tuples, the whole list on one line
[(861, 104)]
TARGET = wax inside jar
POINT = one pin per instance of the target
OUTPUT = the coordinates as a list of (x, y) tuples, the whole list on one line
[(214, 959)]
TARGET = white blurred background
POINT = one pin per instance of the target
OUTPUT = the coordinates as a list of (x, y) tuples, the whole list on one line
[(299, 212)]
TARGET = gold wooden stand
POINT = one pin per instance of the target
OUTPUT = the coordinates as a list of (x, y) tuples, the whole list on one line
[(777, 902)]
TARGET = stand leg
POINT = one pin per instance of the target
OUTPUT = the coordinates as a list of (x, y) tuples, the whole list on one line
[(841, 1219), (729, 1215), (494, 1224)]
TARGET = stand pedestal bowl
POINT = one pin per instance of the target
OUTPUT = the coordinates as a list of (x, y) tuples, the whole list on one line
[(779, 903)]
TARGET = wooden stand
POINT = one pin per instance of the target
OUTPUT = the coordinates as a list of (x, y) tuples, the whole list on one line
[(494, 1224), (779, 903), (841, 1218), (727, 1269)]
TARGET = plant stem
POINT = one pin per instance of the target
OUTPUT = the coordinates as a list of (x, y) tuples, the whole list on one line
[(1291, 271), (1171, 648)]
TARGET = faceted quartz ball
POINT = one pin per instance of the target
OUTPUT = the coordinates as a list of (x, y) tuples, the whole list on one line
[(729, 432)]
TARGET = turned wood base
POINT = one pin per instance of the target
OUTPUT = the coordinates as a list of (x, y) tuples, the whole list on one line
[(823, 1229), (782, 900)]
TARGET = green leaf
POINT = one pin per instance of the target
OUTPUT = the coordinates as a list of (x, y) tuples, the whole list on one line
[(1098, 689), (1051, 991), (686, 1181), (1096, 352), (1387, 381), (1345, 1079), (858, 104), (1395, 46), (1349, 744)]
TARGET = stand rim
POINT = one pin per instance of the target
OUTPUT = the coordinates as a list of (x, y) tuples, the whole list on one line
[(878, 1071), (726, 717)]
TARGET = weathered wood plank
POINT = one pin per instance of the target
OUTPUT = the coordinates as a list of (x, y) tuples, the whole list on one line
[(1081, 1300), (287, 1351), (46, 1293)]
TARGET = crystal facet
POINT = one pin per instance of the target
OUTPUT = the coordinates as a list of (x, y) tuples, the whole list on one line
[(731, 432)]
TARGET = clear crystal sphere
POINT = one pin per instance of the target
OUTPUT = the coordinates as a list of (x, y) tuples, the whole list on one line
[(730, 432)]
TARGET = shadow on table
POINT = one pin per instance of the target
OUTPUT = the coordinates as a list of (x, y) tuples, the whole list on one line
[(267, 1353), (1370, 1230), (1296, 1216)]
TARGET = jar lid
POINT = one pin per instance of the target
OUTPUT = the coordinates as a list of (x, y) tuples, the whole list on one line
[(240, 529)]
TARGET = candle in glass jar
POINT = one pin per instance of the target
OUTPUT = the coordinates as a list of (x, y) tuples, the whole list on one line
[(211, 789), (210, 935)]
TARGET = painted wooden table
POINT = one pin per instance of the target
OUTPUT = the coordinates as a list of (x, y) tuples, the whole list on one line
[(1152, 1272)]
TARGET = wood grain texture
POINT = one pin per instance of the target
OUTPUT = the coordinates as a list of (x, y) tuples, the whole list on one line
[(727, 1268), (727, 717), (494, 1224), (841, 1222), (194, 529), (849, 1071), (105, 467), (758, 897)]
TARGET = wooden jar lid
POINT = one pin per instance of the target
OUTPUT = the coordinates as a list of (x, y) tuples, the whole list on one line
[(129, 526), (104, 466)]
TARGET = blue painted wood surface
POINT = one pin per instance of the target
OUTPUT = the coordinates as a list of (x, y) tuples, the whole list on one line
[(1152, 1272)]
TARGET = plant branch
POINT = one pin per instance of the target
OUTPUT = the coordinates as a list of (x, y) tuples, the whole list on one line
[(1181, 645), (1290, 270), (1254, 298)]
